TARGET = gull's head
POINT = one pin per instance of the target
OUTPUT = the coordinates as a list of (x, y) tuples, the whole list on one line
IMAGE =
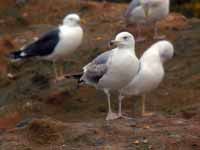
[(124, 39), (72, 20), (166, 50)]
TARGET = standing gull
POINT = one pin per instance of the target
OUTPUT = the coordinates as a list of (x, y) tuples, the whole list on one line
[(147, 12), (55, 45), (113, 69), (150, 74)]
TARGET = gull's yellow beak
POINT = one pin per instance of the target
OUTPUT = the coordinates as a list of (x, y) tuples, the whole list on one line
[(114, 42)]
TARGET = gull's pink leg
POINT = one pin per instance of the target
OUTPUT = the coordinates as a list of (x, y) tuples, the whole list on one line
[(110, 115), (120, 115)]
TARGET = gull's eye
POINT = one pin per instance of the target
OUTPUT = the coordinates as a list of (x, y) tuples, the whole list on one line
[(125, 37)]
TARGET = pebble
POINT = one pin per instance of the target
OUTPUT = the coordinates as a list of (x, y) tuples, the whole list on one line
[(100, 142), (145, 141), (11, 76), (146, 127), (150, 147), (136, 142), (28, 106)]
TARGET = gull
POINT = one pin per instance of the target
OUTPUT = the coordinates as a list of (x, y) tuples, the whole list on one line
[(142, 12), (56, 44), (112, 69), (150, 74)]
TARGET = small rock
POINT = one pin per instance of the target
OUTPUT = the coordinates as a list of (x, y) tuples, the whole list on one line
[(100, 142), (98, 38), (28, 106), (179, 122), (150, 147), (146, 127), (11, 76), (136, 142), (145, 141), (64, 145)]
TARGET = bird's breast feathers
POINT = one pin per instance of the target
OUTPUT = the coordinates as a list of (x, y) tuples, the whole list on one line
[(69, 40), (121, 69)]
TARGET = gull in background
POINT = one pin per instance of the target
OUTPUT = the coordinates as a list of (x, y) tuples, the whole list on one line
[(142, 12), (150, 74), (56, 44), (113, 69)]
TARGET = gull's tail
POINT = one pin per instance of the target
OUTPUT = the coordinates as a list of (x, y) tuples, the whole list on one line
[(17, 55), (76, 76)]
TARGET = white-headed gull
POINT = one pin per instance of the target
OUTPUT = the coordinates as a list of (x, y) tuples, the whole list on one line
[(113, 69), (150, 74)]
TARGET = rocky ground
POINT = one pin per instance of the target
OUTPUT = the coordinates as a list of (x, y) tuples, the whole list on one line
[(37, 114)]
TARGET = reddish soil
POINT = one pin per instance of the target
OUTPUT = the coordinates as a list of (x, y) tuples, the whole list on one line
[(36, 114)]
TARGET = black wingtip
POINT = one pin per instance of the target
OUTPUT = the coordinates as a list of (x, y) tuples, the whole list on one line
[(76, 76), (14, 55)]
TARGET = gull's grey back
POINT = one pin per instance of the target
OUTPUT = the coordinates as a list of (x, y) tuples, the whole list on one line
[(103, 58), (97, 68)]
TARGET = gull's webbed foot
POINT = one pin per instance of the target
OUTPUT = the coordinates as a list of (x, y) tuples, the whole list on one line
[(111, 116)]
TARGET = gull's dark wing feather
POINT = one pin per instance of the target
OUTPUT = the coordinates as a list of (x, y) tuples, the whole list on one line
[(44, 45)]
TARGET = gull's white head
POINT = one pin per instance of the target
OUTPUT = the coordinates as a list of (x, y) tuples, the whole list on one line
[(71, 20), (166, 50), (124, 39)]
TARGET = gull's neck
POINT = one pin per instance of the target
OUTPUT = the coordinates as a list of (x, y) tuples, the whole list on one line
[(151, 56), (130, 48)]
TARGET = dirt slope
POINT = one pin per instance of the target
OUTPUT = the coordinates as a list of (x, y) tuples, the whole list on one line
[(37, 114)]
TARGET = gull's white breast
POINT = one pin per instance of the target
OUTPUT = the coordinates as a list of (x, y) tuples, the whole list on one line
[(122, 67), (148, 78), (70, 38)]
